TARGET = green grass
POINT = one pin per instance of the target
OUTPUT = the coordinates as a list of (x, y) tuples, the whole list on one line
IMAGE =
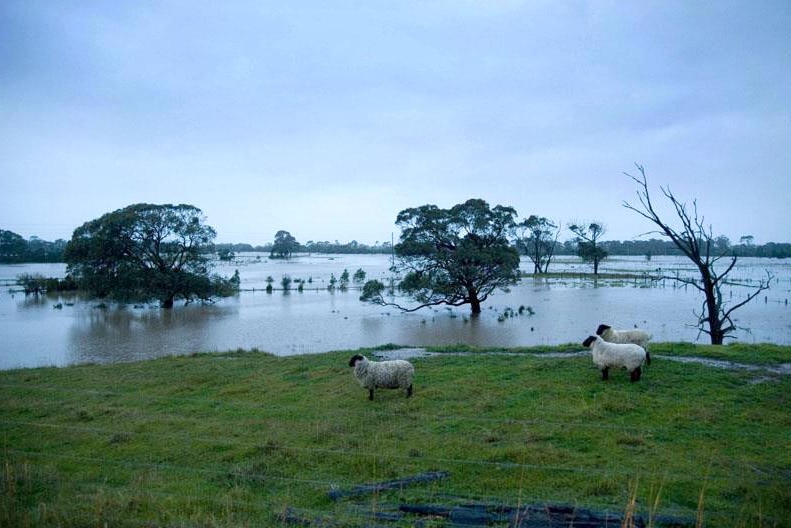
[(235, 439)]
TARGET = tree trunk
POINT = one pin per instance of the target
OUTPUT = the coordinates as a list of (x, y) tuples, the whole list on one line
[(475, 305), (536, 257), (713, 310), (167, 303), (715, 325)]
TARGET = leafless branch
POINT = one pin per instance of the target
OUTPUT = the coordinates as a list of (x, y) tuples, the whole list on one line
[(379, 301), (696, 241)]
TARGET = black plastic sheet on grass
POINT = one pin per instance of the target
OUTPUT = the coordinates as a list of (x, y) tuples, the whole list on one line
[(470, 514)]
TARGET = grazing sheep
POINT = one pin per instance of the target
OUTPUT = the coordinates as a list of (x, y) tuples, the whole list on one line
[(395, 374), (606, 355), (636, 336)]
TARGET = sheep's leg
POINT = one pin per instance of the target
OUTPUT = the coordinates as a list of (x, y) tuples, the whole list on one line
[(635, 374), (409, 391), (605, 373), (647, 357), (371, 394)]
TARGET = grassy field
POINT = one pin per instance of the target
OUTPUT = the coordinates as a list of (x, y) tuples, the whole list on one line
[(238, 439)]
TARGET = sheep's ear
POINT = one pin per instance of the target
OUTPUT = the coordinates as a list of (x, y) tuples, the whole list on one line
[(588, 341), (602, 328)]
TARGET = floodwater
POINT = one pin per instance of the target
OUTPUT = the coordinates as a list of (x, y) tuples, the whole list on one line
[(63, 330)]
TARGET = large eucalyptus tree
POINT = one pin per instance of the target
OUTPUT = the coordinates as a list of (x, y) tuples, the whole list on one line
[(146, 252), (452, 257)]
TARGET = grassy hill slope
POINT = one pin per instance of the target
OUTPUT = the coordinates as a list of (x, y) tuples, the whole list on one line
[(238, 439)]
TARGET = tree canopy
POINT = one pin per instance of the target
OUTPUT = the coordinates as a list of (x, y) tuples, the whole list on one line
[(284, 245), (15, 249), (12, 247), (146, 252), (452, 256), (589, 247), (537, 237)]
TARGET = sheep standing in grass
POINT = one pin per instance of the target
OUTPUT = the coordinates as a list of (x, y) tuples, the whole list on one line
[(395, 374), (606, 355), (636, 336)]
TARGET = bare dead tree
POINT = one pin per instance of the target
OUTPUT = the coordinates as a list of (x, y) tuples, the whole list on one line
[(696, 241)]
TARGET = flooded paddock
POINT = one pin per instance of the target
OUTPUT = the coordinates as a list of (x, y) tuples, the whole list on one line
[(62, 330)]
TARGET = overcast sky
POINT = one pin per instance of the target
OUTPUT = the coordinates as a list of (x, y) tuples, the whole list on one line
[(326, 118)]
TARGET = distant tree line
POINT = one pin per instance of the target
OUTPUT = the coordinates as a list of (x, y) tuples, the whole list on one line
[(666, 247), (15, 249), (283, 245), (533, 230), (654, 247), (350, 247)]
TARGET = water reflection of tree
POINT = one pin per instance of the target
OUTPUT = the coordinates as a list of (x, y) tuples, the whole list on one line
[(118, 332)]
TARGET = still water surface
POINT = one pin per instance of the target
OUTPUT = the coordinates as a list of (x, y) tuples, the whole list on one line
[(35, 333)]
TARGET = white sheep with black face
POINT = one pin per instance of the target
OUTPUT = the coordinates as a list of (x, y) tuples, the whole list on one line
[(394, 374), (635, 336), (606, 355)]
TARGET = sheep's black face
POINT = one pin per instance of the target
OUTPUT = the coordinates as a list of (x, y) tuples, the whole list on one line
[(355, 358), (588, 341), (602, 328)]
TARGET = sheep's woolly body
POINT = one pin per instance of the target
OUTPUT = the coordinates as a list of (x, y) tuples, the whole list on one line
[(606, 355), (395, 374), (636, 337)]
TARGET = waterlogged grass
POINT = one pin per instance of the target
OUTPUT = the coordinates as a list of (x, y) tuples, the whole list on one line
[(765, 354), (238, 439)]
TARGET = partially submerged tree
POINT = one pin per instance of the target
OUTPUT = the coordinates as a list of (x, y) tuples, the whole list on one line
[(32, 283), (359, 275), (697, 242), (452, 256), (587, 238), (536, 237), (284, 245), (146, 252)]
